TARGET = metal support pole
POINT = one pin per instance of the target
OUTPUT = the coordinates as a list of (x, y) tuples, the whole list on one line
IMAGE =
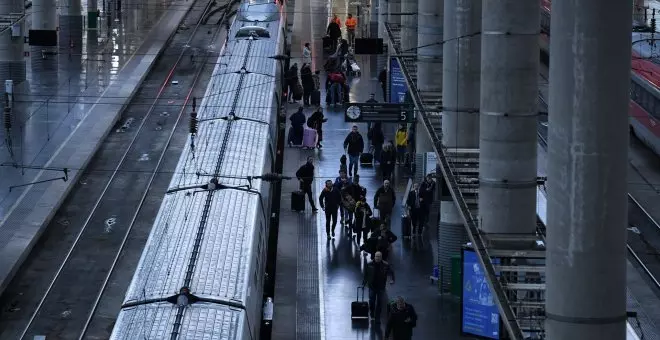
[(587, 166), (509, 109)]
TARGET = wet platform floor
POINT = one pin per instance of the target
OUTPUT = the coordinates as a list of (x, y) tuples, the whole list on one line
[(316, 279)]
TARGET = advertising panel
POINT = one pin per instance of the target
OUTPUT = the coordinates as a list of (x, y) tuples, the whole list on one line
[(479, 315), (398, 86)]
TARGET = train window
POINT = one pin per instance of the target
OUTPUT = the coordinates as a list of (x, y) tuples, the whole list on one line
[(252, 31)]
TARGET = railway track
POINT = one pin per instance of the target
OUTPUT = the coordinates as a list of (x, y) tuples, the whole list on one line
[(60, 288)]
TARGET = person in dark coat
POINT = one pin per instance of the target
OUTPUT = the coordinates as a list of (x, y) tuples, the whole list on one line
[(426, 196), (377, 138), (362, 214), (375, 277), (297, 127), (329, 200), (384, 200), (415, 210), (401, 321), (307, 83), (341, 183), (292, 81), (305, 175), (382, 79), (380, 241), (354, 146), (315, 121), (388, 161), (334, 32)]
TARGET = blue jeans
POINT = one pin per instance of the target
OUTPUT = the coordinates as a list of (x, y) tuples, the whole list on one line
[(335, 93), (376, 298), (378, 149), (353, 162)]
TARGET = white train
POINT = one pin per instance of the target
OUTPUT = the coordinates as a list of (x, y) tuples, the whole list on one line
[(201, 274)]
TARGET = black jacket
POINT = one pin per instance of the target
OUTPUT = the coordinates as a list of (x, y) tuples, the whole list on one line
[(306, 78), (427, 192), (362, 211), (382, 77), (334, 31), (381, 191), (354, 144), (329, 199), (306, 173), (412, 197), (388, 158), (401, 322), (376, 135), (292, 75), (375, 275)]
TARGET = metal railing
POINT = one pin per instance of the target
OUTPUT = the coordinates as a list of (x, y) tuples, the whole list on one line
[(506, 312)]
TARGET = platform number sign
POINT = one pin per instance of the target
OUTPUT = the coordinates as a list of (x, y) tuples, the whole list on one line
[(377, 112)]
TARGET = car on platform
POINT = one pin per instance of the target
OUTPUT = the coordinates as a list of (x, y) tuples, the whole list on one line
[(644, 111), (202, 271)]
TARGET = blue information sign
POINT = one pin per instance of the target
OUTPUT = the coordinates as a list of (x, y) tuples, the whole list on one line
[(480, 315), (398, 86)]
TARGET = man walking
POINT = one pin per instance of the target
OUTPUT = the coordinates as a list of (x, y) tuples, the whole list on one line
[(305, 175), (375, 278), (354, 146), (329, 201), (401, 321)]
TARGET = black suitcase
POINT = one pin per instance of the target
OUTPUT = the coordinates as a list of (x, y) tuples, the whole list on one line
[(366, 159), (406, 226), (316, 98), (298, 201), (359, 307)]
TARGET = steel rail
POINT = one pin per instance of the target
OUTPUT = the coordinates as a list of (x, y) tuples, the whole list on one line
[(116, 171)]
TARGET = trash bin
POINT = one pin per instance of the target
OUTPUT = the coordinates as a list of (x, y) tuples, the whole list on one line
[(456, 285)]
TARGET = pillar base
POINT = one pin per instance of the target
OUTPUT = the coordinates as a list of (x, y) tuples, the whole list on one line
[(451, 237), (71, 33), (12, 70)]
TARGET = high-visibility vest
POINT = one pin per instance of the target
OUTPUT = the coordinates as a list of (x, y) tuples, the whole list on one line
[(351, 23)]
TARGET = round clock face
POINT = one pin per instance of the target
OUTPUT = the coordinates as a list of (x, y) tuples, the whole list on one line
[(353, 112)]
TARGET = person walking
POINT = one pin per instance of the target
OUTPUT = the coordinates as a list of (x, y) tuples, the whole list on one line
[(426, 195), (388, 159), (307, 83), (401, 139), (334, 32), (354, 146), (380, 241), (297, 127), (382, 79), (377, 138), (384, 200), (414, 208), (351, 25), (401, 320), (362, 224), (305, 175), (315, 121), (341, 183), (329, 201), (375, 278), (292, 81), (307, 54)]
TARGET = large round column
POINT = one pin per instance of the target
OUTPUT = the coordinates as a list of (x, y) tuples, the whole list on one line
[(71, 27), (12, 63), (587, 167)]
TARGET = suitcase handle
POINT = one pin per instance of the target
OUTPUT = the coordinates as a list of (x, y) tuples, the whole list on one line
[(358, 293)]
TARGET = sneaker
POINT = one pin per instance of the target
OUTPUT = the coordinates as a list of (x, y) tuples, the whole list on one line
[(314, 210), (329, 238)]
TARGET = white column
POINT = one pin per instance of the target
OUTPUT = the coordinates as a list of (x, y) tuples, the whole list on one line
[(71, 27), (12, 63)]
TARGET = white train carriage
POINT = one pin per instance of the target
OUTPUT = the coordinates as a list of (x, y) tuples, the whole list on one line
[(201, 274)]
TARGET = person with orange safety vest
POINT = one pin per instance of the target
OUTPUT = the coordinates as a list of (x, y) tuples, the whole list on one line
[(351, 24)]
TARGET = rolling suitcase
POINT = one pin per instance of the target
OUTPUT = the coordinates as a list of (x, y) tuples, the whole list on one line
[(298, 201), (359, 307), (406, 226), (309, 138), (367, 159)]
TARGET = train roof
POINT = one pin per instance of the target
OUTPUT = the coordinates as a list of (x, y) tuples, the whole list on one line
[(203, 321), (259, 10)]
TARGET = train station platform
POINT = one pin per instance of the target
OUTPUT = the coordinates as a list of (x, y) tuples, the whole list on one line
[(316, 279), (63, 112)]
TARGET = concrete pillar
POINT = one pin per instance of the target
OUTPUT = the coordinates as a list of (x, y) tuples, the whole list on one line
[(587, 164), (394, 12), (461, 94), (409, 26), (373, 33), (12, 63), (44, 17), (382, 19), (71, 27), (509, 109), (429, 59)]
